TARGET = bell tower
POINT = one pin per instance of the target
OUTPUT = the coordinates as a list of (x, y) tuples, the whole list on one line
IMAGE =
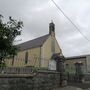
[(52, 29)]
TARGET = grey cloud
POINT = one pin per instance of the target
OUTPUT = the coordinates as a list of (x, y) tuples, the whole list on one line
[(37, 14)]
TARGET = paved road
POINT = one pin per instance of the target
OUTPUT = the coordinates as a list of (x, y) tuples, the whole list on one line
[(68, 88), (80, 85), (87, 89)]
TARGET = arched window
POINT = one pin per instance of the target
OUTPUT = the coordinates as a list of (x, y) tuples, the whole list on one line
[(26, 57)]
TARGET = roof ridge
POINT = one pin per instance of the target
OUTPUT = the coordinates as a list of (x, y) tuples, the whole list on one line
[(83, 55), (34, 39), (37, 42)]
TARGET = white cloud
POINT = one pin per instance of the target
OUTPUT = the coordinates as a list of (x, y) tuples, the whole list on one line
[(36, 15)]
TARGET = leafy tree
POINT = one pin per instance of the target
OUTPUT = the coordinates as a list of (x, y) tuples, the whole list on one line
[(8, 32)]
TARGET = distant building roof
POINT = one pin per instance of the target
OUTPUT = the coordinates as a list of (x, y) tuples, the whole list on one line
[(76, 57), (33, 43)]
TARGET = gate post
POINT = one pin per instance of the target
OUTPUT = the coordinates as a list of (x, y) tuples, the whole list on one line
[(60, 68)]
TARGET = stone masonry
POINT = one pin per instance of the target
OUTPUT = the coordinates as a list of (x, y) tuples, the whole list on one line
[(42, 80)]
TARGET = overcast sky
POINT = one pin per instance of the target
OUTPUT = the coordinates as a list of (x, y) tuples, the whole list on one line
[(37, 14)]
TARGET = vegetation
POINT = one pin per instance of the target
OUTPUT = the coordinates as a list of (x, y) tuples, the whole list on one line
[(62, 58), (8, 32)]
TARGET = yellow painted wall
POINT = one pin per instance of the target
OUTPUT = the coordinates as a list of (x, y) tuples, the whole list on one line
[(8, 62), (57, 47), (46, 51), (33, 58)]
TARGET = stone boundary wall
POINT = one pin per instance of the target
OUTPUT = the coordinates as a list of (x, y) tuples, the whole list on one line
[(42, 80), (15, 70)]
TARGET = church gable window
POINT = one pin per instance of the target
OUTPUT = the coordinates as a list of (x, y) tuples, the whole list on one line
[(53, 46)]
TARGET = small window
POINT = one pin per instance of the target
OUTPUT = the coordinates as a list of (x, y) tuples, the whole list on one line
[(67, 65), (26, 57)]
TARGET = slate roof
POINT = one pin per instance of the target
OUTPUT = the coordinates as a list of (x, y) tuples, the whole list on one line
[(76, 57), (33, 43)]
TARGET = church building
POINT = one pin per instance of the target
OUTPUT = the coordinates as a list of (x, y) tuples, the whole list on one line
[(37, 52)]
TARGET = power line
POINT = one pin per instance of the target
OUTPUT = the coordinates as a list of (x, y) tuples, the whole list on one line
[(70, 20)]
